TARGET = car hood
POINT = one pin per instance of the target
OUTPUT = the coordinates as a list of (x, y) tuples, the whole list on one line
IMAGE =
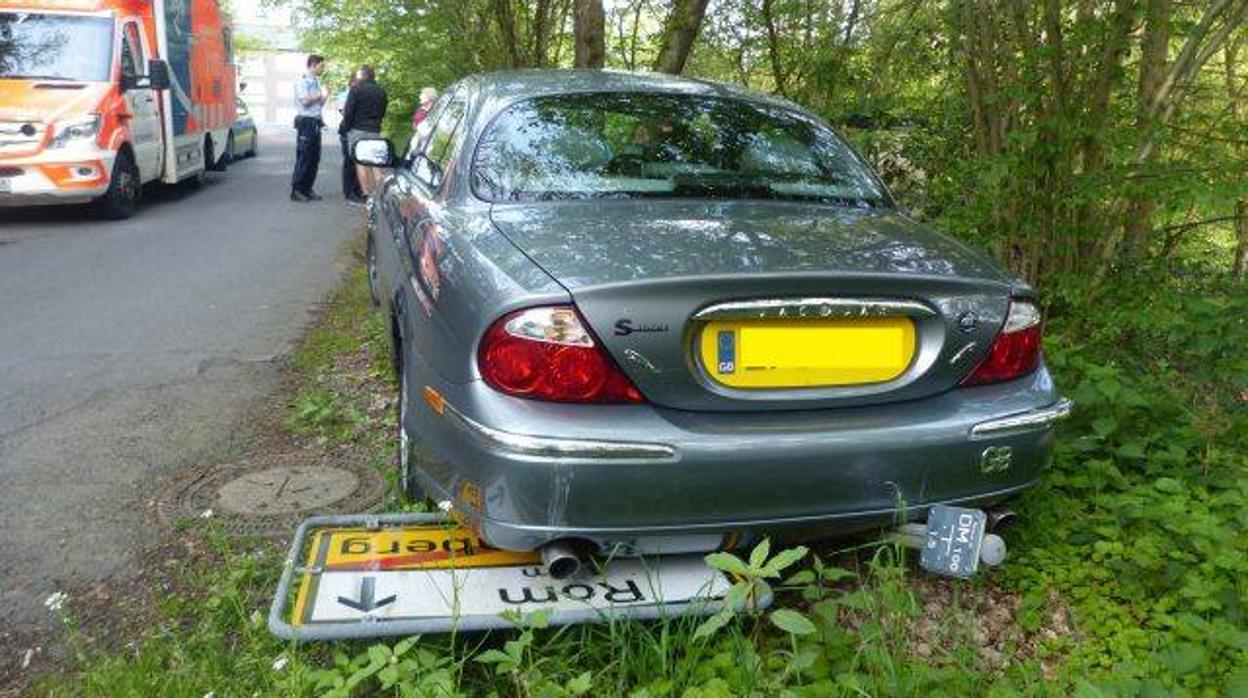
[(39, 102), (590, 243)]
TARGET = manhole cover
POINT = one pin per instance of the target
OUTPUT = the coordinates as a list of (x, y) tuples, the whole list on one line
[(270, 493), (286, 490)]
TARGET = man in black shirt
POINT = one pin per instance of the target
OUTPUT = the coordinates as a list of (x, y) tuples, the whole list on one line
[(350, 179), (361, 118)]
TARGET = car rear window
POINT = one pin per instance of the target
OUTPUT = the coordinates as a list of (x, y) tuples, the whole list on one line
[(634, 144)]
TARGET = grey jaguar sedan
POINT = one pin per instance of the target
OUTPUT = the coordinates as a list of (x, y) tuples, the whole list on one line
[(647, 313)]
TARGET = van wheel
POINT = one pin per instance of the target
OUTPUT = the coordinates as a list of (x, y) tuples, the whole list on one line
[(122, 197), (211, 164)]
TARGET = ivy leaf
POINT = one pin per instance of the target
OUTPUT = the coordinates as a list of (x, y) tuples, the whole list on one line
[(801, 579), (760, 554), (792, 622), (727, 562), (492, 657), (711, 625), (378, 654), (1185, 658), (1132, 449), (783, 559), (580, 685)]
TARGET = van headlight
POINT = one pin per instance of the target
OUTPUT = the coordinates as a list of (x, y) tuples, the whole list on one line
[(72, 132)]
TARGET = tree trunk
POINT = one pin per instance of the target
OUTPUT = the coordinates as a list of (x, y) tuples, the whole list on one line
[(1235, 96), (507, 27), (542, 16), (1241, 240), (679, 31), (1153, 51), (773, 48), (590, 39), (1201, 43)]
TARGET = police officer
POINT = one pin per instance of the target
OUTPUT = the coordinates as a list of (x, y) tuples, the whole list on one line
[(310, 97)]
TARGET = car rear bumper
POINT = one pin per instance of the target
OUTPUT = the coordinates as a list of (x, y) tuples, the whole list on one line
[(79, 178), (623, 473)]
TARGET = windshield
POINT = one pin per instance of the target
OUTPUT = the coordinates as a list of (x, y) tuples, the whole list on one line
[(632, 144), (55, 47)]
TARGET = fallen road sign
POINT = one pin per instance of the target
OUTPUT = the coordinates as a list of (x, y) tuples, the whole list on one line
[(400, 574)]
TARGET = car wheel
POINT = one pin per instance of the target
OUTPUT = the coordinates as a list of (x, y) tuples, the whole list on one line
[(374, 290), (122, 197), (229, 156), (407, 482)]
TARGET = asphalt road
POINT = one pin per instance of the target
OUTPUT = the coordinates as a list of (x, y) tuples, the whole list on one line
[(132, 349)]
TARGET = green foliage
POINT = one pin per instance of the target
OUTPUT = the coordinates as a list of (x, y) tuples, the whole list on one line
[(321, 412), (750, 587), (1142, 522)]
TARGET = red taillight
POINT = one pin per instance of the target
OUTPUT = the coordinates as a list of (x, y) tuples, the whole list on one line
[(1016, 350), (548, 354)]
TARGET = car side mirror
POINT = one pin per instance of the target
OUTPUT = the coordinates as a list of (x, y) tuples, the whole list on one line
[(374, 152), (158, 74)]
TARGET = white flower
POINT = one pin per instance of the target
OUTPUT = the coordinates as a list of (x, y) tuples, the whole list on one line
[(206, 514), (445, 505), (56, 601), (280, 662), (210, 694)]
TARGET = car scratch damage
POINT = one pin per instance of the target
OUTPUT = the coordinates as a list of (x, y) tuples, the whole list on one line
[(561, 488)]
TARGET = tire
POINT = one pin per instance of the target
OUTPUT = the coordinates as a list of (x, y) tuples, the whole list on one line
[(211, 164), (407, 481), (229, 156), (374, 281), (122, 197)]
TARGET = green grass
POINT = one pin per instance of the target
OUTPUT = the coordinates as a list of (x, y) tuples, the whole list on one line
[(1127, 576)]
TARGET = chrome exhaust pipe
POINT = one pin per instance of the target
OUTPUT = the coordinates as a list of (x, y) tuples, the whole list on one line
[(1000, 518), (559, 560)]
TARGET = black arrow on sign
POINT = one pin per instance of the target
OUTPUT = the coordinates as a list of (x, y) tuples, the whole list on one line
[(366, 603)]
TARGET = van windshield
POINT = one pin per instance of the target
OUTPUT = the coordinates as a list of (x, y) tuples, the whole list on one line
[(643, 144), (40, 46)]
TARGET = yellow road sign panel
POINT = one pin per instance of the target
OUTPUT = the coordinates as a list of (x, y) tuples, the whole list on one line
[(402, 574), (411, 548)]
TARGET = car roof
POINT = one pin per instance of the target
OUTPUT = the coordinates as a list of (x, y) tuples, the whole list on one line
[(506, 86)]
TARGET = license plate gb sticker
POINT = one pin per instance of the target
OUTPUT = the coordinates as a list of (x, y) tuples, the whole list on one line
[(726, 352)]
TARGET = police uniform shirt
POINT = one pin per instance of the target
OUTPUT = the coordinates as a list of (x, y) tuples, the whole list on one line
[(308, 86)]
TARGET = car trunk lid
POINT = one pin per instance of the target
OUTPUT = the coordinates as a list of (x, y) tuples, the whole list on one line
[(768, 305)]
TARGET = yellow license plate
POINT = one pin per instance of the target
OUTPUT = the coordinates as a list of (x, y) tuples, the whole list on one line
[(807, 353)]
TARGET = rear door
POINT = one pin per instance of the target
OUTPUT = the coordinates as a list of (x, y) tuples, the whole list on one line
[(418, 224), (144, 113)]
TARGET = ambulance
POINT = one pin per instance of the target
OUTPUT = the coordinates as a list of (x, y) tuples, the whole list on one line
[(100, 97)]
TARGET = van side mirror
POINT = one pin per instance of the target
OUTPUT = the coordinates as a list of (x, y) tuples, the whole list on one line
[(158, 74)]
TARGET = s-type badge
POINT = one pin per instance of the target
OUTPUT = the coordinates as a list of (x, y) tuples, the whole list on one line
[(626, 326)]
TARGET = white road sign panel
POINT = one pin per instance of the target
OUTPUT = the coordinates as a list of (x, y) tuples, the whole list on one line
[(491, 591)]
